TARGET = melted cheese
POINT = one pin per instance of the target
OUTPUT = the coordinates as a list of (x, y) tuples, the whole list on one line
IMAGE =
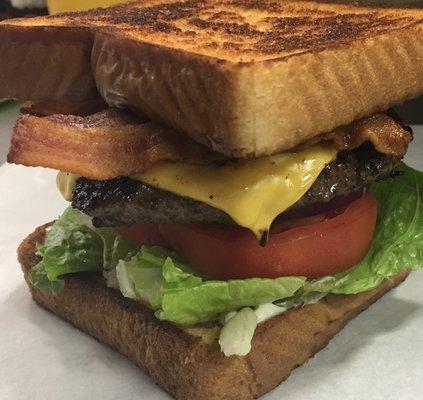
[(253, 192), (66, 184)]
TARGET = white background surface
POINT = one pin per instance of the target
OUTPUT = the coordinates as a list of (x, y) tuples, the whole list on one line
[(378, 356)]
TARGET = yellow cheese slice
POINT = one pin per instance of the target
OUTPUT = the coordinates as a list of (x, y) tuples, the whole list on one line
[(253, 192)]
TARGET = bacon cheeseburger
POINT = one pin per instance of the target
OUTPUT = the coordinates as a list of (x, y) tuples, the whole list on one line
[(215, 228)]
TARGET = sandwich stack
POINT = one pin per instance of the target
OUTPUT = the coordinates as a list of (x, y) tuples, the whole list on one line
[(234, 172)]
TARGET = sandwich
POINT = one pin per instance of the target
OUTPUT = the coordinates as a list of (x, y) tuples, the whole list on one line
[(234, 172)]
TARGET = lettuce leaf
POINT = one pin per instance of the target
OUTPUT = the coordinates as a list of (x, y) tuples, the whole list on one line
[(398, 240), (179, 295), (38, 277), (73, 245)]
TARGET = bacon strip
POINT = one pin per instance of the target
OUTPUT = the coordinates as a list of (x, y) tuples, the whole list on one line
[(386, 135), (114, 143), (82, 108), (102, 146)]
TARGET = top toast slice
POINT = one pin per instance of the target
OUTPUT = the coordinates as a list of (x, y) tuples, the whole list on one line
[(239, 30), (245, 77)]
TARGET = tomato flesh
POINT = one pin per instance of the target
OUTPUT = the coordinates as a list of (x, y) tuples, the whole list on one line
[(143, 234), (311, 246)]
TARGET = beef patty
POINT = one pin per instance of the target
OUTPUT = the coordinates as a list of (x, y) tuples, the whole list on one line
[(125, 201)]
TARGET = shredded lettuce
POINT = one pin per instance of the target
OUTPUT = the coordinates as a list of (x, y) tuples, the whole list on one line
[(179, 294), (239, 327), (235, 336)]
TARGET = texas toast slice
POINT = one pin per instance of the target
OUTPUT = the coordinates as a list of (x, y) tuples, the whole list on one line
[(232, 75), (188, 363)]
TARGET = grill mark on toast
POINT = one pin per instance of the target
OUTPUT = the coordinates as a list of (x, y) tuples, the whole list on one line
[(304, 33), (257, 5), (147, 16), (245, 29), (230, 28)]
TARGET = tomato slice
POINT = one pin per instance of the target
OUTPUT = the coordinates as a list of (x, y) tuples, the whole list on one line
[(313, 249), (143, 234)]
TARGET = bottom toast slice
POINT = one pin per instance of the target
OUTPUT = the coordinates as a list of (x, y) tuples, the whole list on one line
[(188, 363)]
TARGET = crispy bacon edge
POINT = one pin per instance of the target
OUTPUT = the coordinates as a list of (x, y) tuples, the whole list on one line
[(387, 135)]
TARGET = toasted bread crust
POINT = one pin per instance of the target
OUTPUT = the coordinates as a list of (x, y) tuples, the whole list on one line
[(246, 78), (188, 363), (46, 64)]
